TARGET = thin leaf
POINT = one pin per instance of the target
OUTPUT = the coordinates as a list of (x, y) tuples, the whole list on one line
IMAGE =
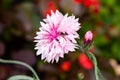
[(20, 77)]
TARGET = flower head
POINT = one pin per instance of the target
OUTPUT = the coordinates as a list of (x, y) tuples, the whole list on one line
[(88, 37), (57, 36)]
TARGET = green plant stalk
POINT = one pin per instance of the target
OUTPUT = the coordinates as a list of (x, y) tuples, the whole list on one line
[(21, 63), (94, 61), (100, 74), (97, 71)]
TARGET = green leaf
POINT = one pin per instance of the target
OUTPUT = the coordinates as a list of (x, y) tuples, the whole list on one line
[(100, 40), (109, 2), (116, 50), (20, 77)]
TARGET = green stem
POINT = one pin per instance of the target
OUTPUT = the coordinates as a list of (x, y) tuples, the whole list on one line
[(94, 61), (97, 71), (21, 63), (100, 74)]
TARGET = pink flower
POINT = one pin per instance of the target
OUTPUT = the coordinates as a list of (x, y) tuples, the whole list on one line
[(88, 37), (57, 36)]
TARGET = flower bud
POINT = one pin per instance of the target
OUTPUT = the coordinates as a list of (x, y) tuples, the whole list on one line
[(88, 37)]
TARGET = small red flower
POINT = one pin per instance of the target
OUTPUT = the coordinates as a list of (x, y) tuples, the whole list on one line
[(65, 66), (51, 6), (78, 1), (94, 4), (87, 3), (85, 62)]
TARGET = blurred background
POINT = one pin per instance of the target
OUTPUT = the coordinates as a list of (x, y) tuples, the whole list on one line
[(19, 21)]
